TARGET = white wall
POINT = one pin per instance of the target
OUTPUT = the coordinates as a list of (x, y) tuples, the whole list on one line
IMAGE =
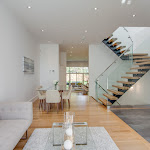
[(77, 64), (139, 94), (144, 47), (62, 69), (139, 35), (100, 57), (49, 61), (16, 42)]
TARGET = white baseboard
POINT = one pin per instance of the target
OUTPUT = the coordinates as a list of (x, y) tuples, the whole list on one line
[(33, 99)]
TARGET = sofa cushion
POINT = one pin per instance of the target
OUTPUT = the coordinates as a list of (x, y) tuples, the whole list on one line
[(11, 131)]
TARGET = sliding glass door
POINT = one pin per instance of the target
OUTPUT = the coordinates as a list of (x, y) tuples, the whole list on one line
[(77, 75)]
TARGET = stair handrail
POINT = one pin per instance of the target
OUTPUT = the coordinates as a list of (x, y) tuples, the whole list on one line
[(113, 63), (129, 35), (101, 87)]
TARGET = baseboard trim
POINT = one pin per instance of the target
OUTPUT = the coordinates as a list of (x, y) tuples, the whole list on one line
[(33, 99)]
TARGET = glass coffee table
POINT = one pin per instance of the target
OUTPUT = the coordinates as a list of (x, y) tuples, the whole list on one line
[(83, 137)]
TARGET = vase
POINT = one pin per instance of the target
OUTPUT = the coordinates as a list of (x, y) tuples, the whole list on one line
[(68, 142), (69, 117)]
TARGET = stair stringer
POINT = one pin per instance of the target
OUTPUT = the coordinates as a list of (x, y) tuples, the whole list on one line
[(138, 94)]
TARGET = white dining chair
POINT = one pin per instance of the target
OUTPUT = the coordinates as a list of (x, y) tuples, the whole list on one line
[(67, 95), (42, 98), (52, 97)]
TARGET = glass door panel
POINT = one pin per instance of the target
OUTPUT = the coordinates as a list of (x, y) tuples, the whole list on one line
[(73, 79), (67, 79), (79, 79), (86, 78)]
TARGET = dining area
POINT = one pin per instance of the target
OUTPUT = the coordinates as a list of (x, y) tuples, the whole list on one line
[(54, 96)]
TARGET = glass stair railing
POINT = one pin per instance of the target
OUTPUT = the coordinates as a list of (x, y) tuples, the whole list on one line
[(119, 41), (109, 85)]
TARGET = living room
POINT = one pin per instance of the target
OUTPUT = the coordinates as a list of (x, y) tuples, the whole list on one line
[(51, 56)]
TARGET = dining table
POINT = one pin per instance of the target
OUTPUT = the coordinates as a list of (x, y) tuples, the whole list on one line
[(60, 88)]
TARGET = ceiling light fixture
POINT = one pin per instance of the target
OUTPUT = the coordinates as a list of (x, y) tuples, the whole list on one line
[(123, 1), (42, 30), (129, 2), (29, 7), (85, 31), (72, 46), (95, 8), (134, 15)]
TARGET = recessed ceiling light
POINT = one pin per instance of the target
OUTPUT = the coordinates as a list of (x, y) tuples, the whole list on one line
[(95, 8), (123, 1), (29, 7), (129, 2), (72, 46), (134, 15), (42, 30), (85, 31)]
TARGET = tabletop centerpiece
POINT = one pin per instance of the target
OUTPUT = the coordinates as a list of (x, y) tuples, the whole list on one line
[(68, 132), (55, 82)]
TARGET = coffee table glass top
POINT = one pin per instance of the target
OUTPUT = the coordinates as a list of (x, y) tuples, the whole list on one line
[(83, 137)]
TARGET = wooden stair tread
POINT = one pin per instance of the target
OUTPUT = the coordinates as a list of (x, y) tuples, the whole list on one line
[(111, 97), (116, 44), (140, 54), (121, 87), (115, 92), (124, 51), (124, 82), (142, 57), (105, 102), (120, 47), (142, 72), (143, 63), (127, 77), (146, 67), (143, 60)]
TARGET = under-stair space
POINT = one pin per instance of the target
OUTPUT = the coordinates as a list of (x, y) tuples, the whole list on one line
[(141, 65)]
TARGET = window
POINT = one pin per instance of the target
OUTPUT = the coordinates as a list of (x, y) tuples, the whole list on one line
[(77, 75)]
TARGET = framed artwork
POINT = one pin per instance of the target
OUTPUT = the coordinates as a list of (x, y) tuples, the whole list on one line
[(28, 65)]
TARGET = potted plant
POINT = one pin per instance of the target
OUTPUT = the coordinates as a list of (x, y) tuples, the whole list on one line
[(55, 82)]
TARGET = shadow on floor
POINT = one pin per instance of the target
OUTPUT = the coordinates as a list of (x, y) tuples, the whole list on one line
[(137, 119)]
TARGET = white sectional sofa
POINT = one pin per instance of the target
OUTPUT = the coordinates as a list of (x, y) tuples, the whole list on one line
[(15, 119)]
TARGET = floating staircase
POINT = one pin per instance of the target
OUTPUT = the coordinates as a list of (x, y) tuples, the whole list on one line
[(114, 46), (142, 63)]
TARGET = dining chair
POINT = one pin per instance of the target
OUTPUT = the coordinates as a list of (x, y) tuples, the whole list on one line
[(67, 95), (52, 97), (42, 98)]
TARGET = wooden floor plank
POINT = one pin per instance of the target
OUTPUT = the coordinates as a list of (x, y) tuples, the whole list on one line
[(87, 109)]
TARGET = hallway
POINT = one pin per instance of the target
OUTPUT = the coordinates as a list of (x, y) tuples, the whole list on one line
[(88, 110)]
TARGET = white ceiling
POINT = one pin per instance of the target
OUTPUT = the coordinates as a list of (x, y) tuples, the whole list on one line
[(76, 52), (65, 21)]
